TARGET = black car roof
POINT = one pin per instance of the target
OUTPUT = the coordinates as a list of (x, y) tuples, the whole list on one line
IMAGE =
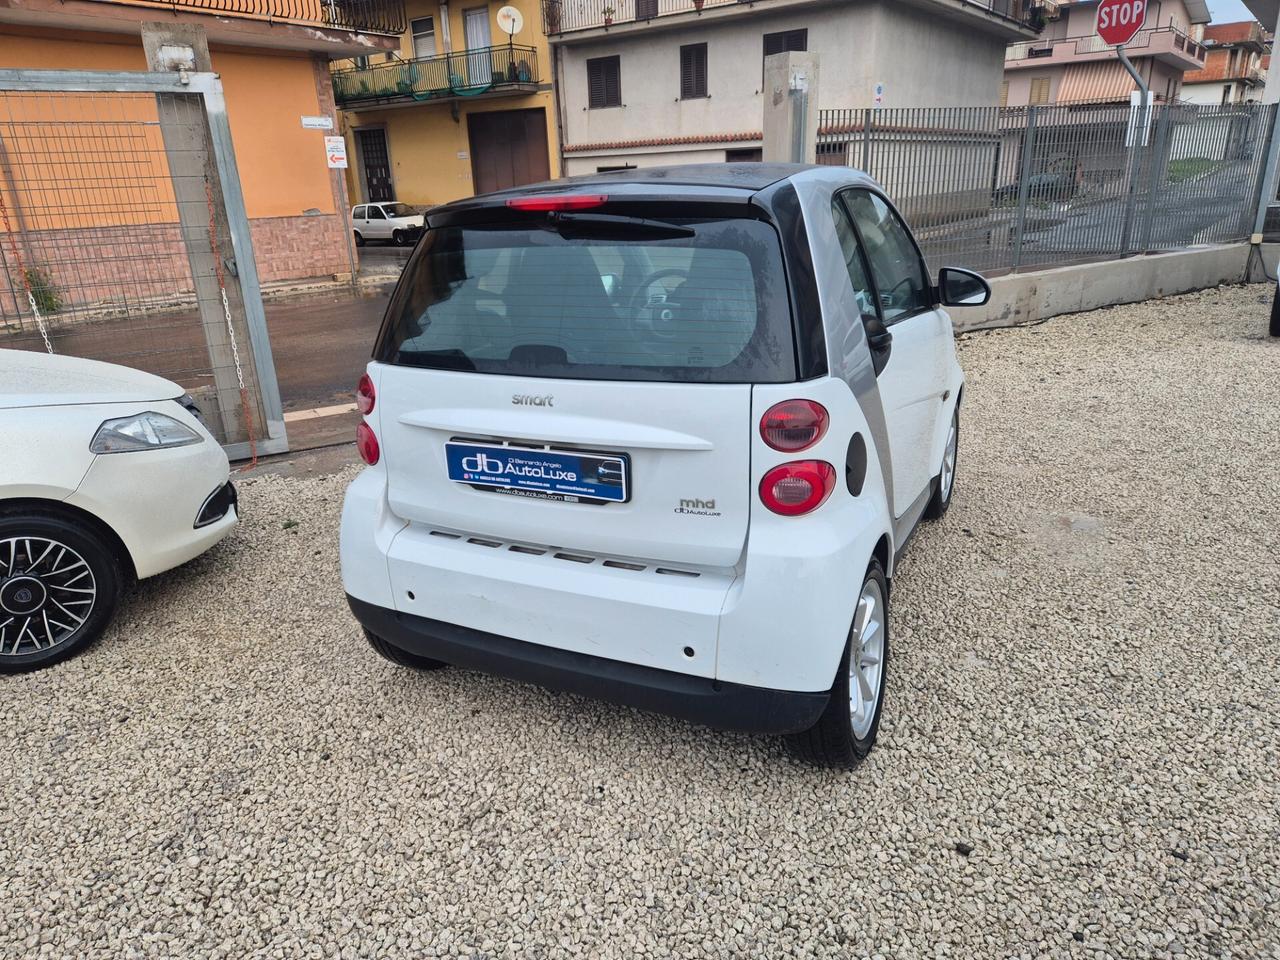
[(696, 179)]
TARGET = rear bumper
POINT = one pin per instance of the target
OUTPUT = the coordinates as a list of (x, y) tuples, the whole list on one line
[(727, 706)]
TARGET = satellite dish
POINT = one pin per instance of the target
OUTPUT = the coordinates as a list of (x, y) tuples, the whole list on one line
[(510, 21)]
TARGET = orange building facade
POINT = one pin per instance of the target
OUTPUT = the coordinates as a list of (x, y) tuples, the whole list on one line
[(273, 58)]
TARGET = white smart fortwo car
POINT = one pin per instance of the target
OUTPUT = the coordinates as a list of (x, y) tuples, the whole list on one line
[(107, 476), (657, 437)]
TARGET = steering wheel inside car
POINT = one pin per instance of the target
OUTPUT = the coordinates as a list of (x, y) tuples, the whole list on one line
[(654, 317)]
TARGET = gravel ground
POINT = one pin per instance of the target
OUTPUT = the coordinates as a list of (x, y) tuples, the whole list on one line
[(1079, 756)]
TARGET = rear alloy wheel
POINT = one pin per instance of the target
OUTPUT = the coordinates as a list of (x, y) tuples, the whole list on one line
[(59, 585), (359, 238), (846, 731), (945, 483), (389, 651)]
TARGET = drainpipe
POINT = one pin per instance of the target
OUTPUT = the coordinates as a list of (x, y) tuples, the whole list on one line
[(557, 84)]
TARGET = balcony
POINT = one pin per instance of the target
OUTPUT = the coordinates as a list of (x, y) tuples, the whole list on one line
[(386, 17), (1166, 44), (560, 17), (483, 72)]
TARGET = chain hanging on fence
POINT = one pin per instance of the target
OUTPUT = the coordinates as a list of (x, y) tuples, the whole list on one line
[(26, 277), (231, 330)]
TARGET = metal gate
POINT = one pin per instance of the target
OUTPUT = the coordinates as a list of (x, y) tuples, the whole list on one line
[(1002, 188), (124, 238)]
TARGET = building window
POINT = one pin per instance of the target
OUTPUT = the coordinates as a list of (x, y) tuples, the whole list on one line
[(604, 83), (785, 41), (1226, 93), (424, 37), (1004, 93), (693, 71), (1039, 91), (745, 155)]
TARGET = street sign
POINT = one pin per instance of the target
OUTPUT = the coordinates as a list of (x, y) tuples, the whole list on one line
[(335, 150), (1119, 21)]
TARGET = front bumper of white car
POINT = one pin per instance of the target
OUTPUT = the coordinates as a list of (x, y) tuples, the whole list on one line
[(167, 506)]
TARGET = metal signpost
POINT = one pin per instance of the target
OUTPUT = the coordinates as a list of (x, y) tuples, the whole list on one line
[(1118, 22)]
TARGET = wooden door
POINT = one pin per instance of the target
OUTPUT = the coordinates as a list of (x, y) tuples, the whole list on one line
[(508, 148)]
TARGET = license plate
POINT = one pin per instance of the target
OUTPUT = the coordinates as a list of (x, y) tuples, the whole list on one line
[(552, 474)]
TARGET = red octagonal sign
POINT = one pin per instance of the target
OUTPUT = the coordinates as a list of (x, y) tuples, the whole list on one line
[(1119, 20)]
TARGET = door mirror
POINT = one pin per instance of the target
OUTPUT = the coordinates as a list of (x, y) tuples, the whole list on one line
[(962, 288)]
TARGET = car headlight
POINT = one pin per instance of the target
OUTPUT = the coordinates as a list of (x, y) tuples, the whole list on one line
[(142, 431)]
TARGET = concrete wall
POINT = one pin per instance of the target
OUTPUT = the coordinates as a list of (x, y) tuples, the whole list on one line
[(922, 60), (1026, 297)]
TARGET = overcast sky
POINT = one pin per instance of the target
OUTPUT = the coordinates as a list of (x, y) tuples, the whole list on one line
[(1225, 11)]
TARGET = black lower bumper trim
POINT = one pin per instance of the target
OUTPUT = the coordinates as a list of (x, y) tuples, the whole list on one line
[(218, 505), (727, 706)]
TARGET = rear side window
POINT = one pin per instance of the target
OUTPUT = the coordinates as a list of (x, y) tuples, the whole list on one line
[(710, 307)]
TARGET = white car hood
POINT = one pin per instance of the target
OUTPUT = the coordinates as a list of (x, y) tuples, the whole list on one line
[(31, 379)]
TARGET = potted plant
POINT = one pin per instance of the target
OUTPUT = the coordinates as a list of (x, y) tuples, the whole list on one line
[(697, 4), (608, 13)]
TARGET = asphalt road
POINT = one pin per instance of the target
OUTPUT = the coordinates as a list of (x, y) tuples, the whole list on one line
[(320, 345)]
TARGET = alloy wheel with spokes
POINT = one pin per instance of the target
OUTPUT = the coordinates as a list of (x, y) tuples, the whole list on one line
[(47, 591), (58, 588), (949, 457), (846, 731), (945, 479), (866, 659)]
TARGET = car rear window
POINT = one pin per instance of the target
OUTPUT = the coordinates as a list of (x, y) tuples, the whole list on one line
[(707, 305)]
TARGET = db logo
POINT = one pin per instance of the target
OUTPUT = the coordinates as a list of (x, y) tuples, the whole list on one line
[(482, 463)]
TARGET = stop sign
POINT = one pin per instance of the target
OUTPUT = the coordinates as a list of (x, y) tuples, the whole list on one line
[(1119, 20)]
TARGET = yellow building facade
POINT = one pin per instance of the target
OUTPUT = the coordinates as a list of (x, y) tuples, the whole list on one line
[(464, 106)]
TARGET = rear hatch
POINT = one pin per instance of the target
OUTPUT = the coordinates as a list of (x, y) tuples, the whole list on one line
[(581, 379)]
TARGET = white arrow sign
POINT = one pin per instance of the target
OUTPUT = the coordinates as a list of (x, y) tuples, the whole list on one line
[(335, 149)]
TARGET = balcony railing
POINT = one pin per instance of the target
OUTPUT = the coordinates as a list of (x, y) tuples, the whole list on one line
[(466, 73), (1146, 43), (358, 16), (566, 16)]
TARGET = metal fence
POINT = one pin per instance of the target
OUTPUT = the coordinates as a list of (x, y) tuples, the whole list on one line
[(566, 16), (997, 188), (123, 238), (466, 73), (360, 16)]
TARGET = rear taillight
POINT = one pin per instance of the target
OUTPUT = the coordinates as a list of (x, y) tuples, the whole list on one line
[(794, 425), (555, 202), (797, 488), (365, 395), (367, 444)]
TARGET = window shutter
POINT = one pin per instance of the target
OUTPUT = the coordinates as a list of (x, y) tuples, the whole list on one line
[(646, 9), (693, 71), (604, 87)]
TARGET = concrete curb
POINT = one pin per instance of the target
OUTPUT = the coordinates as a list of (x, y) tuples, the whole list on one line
[(1037, 295)]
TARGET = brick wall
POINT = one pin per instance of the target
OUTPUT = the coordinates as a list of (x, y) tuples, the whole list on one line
[(142, 265), (295, 248)]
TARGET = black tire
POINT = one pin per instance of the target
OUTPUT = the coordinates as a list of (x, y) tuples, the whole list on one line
[(832, 742), (389, 651), (359, 238), (1275, 313), (398, 238), (52, 584), (938, 503)]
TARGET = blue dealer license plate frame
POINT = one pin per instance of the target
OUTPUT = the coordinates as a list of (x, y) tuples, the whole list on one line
[(567, 475)]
